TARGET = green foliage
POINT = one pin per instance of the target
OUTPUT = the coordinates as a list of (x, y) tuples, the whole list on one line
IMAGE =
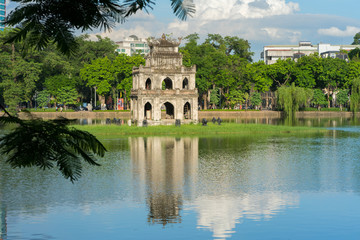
[(44, 22), (342, 97), (236, 97), (18, 75), (43, 98), (98, 74), (214, 97), (291, 98), (122, 67), (354, 54), (356, 39), (67, 95), (48, 144), (56, 82), (318, 98), (255, 99), (355, 95)]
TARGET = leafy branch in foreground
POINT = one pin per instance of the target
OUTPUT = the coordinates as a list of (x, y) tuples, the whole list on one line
[(46, 144), (42, 22)]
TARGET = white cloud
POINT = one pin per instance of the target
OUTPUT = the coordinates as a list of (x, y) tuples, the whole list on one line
[(210, 10), (179, 26), (336, 32), (283, 34), (120, 34)]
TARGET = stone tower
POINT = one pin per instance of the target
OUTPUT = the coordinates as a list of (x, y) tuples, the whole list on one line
[(164, 84)]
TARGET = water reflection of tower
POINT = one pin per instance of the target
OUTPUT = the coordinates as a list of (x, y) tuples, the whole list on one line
[(167, 167)]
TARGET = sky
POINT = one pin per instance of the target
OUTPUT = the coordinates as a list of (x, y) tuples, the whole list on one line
[(261, 22)]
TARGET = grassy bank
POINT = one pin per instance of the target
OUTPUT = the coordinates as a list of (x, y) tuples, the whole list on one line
[(195, 130)]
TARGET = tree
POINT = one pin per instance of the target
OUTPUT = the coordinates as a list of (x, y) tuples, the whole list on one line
[(98, 75), (355, 95), (67, 96), (122, 67), (18, 77), (354, 54), (42, 22), (318, 98), (255, 99), (356, 39), (43, 98), (56, 85), (256, 73), (281, 72), (307, 70), (236, 97), (342, 98), (291, 98), (214, 97), (333, 76)]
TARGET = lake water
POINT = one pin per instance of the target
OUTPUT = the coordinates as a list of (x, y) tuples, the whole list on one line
[(240, 187)]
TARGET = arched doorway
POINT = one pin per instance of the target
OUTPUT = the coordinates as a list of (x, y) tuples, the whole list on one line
[(187, 111), (148, 84), (167, 84), (147, 111), (169, 110), (185, 84)]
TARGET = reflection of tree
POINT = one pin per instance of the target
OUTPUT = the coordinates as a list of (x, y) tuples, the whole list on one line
[(166, 166), (164, 208), (3, 225)]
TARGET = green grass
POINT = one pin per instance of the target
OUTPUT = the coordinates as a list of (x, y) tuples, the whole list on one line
[(47, 110), (194, 130), (325, 109), (111, 110), (228, 110)]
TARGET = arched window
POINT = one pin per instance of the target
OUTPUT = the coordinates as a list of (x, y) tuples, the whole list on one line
[(187, 111), (185, 84), (148, 84), (147, 111), (169, 110), (167, 84)]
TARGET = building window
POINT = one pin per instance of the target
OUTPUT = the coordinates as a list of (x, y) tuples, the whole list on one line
[(139, 45), (122, 50)]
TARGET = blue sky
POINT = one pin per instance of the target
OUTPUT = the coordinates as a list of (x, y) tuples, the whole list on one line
[(261, 22)]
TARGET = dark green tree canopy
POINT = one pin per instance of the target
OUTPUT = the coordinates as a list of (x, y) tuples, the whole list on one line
[(42, 22), (356, 39)]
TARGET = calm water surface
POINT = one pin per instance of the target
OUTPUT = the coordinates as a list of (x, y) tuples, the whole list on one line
[(243, 187)]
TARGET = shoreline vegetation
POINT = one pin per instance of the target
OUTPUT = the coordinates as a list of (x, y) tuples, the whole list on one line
[(195, 130)]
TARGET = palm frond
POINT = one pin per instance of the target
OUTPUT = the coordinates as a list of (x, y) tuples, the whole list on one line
[(183, 8), (55, 20), (46, 144)]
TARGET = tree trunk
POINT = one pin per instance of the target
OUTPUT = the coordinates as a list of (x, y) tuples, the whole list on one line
[(328, 95), (101, 99), (205, 101), (114, 98)]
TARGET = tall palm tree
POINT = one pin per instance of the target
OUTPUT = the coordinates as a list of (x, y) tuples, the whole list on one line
[(42, 21)]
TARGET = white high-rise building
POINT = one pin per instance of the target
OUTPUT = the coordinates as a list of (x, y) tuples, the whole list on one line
[(2, 14), (272, 53), (133, 45)]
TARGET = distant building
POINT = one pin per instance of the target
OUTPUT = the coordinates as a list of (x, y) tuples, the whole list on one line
[(132, 45), (2, 14), (274, 52)]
